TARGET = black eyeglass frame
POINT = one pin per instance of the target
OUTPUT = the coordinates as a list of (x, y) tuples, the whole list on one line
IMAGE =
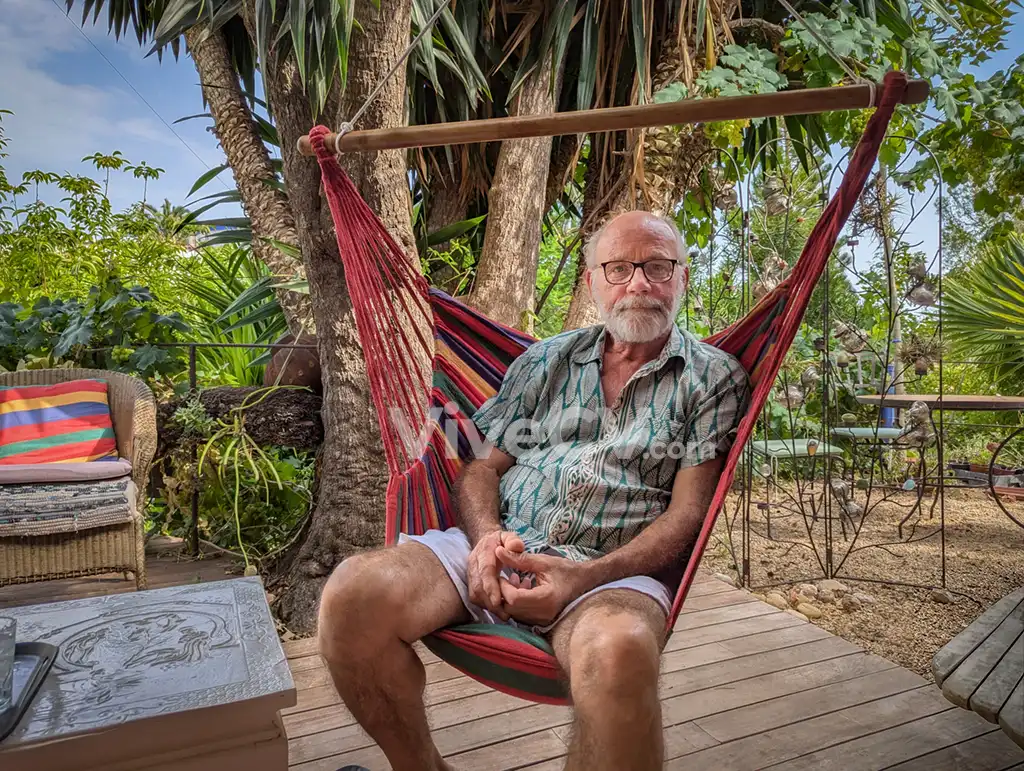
[(634, 266)]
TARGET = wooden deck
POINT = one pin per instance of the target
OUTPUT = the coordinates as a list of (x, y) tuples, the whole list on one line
[(744, 686)]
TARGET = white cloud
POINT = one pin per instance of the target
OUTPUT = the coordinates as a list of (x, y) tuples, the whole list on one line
[(58, 119)]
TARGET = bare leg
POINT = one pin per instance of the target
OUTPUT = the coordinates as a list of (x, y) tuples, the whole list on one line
[(610, 645), (373, 608)]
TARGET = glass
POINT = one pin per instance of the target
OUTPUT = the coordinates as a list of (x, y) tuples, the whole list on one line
[(621, 271)]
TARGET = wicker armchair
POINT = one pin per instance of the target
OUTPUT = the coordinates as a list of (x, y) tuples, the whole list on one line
[(113, 548)]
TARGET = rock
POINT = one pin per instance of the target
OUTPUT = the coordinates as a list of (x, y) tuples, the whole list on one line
[(799, 615), (826, 596), (808, 590), (850, 603), (726, 578), (776, 600), (796, 596), (865, 599), (943, 596), (836, 587), (810, 611)]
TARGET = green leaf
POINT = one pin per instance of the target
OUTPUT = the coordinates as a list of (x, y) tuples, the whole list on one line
[(588, 58), (206, 177), (673, 92), (454, 230)]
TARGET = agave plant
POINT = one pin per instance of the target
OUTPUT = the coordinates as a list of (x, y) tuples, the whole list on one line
[(983, 311)]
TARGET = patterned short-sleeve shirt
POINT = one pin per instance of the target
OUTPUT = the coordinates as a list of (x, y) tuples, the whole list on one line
[(589, 477)]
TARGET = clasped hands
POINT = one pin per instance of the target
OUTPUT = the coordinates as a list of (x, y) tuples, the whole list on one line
[(552, 583)]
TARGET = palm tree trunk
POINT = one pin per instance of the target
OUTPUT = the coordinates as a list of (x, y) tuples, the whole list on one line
[(267, 208), (348, 516), (506, 277)]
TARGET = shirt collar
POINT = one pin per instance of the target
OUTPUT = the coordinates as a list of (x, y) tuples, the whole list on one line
[(675, 346)]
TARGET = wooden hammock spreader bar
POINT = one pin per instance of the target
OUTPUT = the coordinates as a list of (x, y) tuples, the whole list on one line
[(797, 102)]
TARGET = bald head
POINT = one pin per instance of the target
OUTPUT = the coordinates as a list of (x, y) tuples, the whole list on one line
[(634, 231)]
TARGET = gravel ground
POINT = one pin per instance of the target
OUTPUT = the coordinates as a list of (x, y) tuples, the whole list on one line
[(984, 562)]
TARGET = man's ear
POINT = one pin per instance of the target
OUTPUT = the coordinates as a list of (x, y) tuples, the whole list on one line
[(587, 273), (686, 276)]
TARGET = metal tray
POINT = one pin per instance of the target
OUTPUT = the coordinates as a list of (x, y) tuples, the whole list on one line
[(32, 661)]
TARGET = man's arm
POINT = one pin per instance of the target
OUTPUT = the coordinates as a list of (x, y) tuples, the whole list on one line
[(664, 541), (478, 512), (477, 506)]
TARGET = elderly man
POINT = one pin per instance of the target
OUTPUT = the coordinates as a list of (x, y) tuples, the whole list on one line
[(604, 446)]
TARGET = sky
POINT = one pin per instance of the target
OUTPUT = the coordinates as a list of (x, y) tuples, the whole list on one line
[(75, 92), (70, 101)]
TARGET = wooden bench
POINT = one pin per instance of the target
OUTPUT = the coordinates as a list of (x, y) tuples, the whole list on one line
[(982, 668), (186, 678)]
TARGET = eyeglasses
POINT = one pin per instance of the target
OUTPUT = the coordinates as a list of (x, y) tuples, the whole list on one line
[(621, 271)]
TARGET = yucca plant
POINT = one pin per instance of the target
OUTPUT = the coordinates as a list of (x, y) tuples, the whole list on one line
[(983, 311), (233, 302)]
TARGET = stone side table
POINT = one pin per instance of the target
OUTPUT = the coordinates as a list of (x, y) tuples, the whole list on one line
[(189, 678)]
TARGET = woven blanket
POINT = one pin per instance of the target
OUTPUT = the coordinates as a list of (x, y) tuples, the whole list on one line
[(45, 509)]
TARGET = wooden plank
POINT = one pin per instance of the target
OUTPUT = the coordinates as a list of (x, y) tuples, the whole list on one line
[(990, 752), (961, 684), (516, 753), (312, 698), (761, 642), (305, 646), (369, 757), (691, 638), (305, 663), (793, 741), (680, 739), (435, 693), (702, 618), (317, 675), (494, 703), (708, 587), (960, 647), (992, 694), (327, 743), (893, 745), (471, 735), (1011, 716), (739, 693), (805, 705), (298, 724), (719, 600), (734, 670)]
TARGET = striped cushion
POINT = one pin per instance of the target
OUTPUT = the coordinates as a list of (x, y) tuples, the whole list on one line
[(63, 423)]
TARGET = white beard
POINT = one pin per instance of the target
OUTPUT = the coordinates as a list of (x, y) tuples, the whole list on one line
[(638, 319)]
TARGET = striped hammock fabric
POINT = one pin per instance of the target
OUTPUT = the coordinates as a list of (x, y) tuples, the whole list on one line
[(425, 435), (63, 423)]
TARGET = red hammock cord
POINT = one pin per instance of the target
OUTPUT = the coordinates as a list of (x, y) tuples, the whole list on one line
[(395, 321)]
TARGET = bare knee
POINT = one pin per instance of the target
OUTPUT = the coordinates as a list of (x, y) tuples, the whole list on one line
[(613, 650), (360, 604)]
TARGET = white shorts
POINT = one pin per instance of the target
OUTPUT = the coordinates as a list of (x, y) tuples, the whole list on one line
[(452, 548)]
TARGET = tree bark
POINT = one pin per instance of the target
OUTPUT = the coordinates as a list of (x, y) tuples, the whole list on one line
[(351, 477), (267, 208), (506, 277)]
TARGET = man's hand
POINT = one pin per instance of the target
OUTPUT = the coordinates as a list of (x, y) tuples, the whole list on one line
[(555, 582), (484, 568)]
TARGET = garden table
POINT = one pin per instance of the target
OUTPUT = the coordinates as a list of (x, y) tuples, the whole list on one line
[(961, 403), (186, 677), (982, 668)]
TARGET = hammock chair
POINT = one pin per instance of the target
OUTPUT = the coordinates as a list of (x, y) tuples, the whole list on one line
[(426, 441)]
